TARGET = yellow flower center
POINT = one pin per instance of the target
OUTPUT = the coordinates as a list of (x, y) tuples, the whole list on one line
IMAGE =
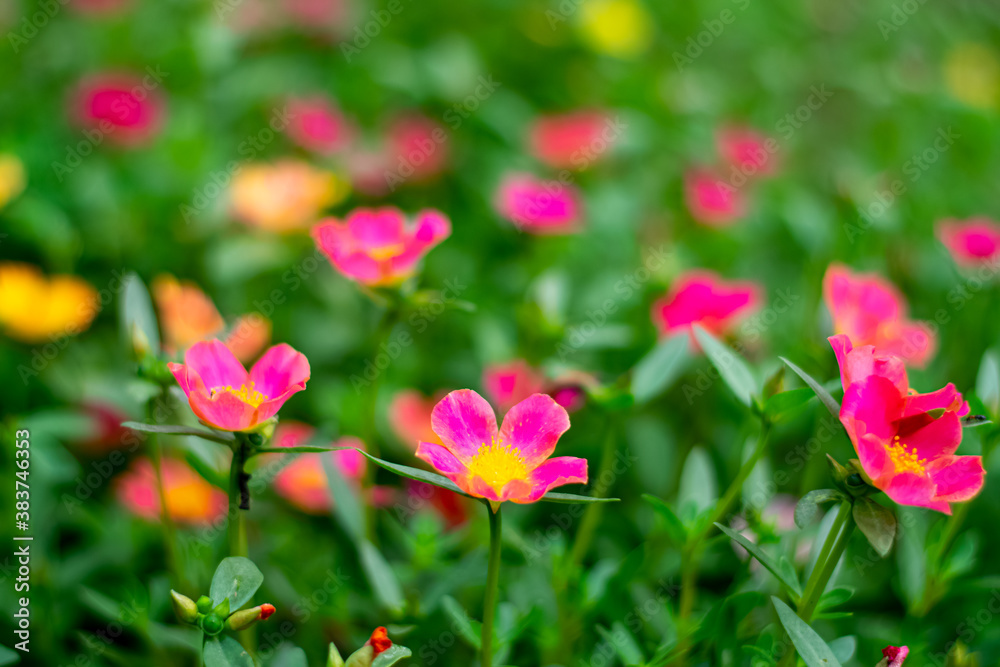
[(497, 464), (382, 253), (249, 396), (903, 459)]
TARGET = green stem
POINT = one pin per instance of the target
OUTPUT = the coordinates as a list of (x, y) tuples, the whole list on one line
[(831, 537), (492, 582), (166, 521), (932, 586), (237, 528)]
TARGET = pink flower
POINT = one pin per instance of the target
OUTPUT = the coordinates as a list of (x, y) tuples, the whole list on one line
[(711, 200), (303, 482), (510, 383), (377, 246), (190, 499), (125, 109), (410, 417), (893, 656), (970, 242), (417, 147), (571, 140), (702, 297), (871, 311), (746, 149), (906, 451), (510, 464), (317, 125), (225, 396), (539, 207)]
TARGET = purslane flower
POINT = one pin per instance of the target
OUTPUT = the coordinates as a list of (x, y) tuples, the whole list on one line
[(711, 200), (704, 298), (224, 395), (303, 482), (35, 307), (893, 656), (511, 463), (905, 441), (871, 311), (190, 499), (377, 247), (539, 207), (571, 140), (971, 242)]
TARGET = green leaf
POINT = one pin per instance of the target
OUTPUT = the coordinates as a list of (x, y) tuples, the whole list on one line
[(878, 524), (8, 656), (824, 396), (623, 641), (223, 437), (835, 597), (391, 656), (971, 421), (811, 647), (657, 370), (805, 509), (698, 490), (783, 574), (289, 656), (781, 405), (333, 657), (844, 647), (445, 483), (137, 312), (470, 630), (236, 579), (305, 449), (346, 507), (381, 577), (675, 527), (731, 366), (988, 382), (224, 651)]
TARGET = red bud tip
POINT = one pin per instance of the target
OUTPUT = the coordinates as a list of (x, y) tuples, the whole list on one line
[(266, 610), (380, 640), (895, 655)]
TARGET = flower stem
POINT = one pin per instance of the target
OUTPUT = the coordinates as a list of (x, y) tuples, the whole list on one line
[(237, 529), (492, 581), (166, 521)]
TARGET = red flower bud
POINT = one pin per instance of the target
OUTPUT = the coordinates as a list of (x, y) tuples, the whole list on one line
[(379, 640), (266, 610)]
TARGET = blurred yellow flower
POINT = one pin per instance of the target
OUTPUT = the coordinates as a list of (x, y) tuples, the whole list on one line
[(285, 196), (11, 178), (36, 308), (620, 28), (972, 75)]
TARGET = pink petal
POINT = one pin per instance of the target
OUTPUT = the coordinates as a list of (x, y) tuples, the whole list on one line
[(946, 397), (226, 411), (916, 491), (939, 437), (270, 407), (958, 478), (215, 364), (441, 460), (376, 228), (873, 406), (465, 422), (281, 369), (533, 427), (555, 472)]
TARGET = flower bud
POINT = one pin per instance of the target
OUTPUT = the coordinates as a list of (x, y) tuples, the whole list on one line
[(333, 658), (212, 624), (184, 607), (205, 604), (379, 641), (243, 619), (361, 658)]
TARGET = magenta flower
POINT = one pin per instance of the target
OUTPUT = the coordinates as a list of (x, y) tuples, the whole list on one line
[(226, 397), (893, 656), (376, 246), (123, 108), (871, 311), (317, 125), (571, 140), (711, 200), (303, 481), (510, 383), (702, 297), (416, 147), (539, 207), (747, 150), (908, 452), (510, 464), (971, 242)]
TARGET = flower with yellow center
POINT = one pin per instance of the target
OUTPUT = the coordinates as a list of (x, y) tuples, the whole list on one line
[(511, 463), (619, 28), (36, 308)]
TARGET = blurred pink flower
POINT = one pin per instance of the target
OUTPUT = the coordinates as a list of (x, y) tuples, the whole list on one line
[(223, 395), (417, 147), (190, 499), (123, 108), (410, 417), (711, 200), (510, 383), (703, 297), (510, 464), (970, 242), (539, 207), (315, 14), (303, 481), (317, 125), (893, 656), (571, 140), (106, 431), (747, 150), (377, 247), (871, 311), (908, 452)]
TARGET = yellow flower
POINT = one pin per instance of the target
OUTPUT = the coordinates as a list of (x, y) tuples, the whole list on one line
[(11, 178), (972, 75), (286, 196), (620, 28), (34, 308)]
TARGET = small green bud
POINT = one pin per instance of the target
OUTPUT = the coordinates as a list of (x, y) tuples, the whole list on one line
[(212, 624), (184, 607), (362, 657), (333, 658), (205, 604)]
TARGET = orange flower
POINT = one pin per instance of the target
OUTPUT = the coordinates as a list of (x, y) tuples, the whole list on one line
[(285, 196), (35, 308), (190, 499)]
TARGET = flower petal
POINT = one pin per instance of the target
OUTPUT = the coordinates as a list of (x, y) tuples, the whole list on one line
[(916, 491), (465, 422), (555, 472), (533, 427), (940, 437), (215, 364), (946, 397), (280, 369), (958, 478), (226, 411), (441, 460)]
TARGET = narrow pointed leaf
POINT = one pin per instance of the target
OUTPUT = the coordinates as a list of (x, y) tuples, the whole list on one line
[(305, 449), (824, 396), (223, 437), (381, 577), (657, 370), (782, 574), (391, 656), (675, 527), (811, 647), (137, 313), (731, 366)]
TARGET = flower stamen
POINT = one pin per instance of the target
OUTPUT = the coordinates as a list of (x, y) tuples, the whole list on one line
[(250, 396), (497, 464), (905, 460)]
